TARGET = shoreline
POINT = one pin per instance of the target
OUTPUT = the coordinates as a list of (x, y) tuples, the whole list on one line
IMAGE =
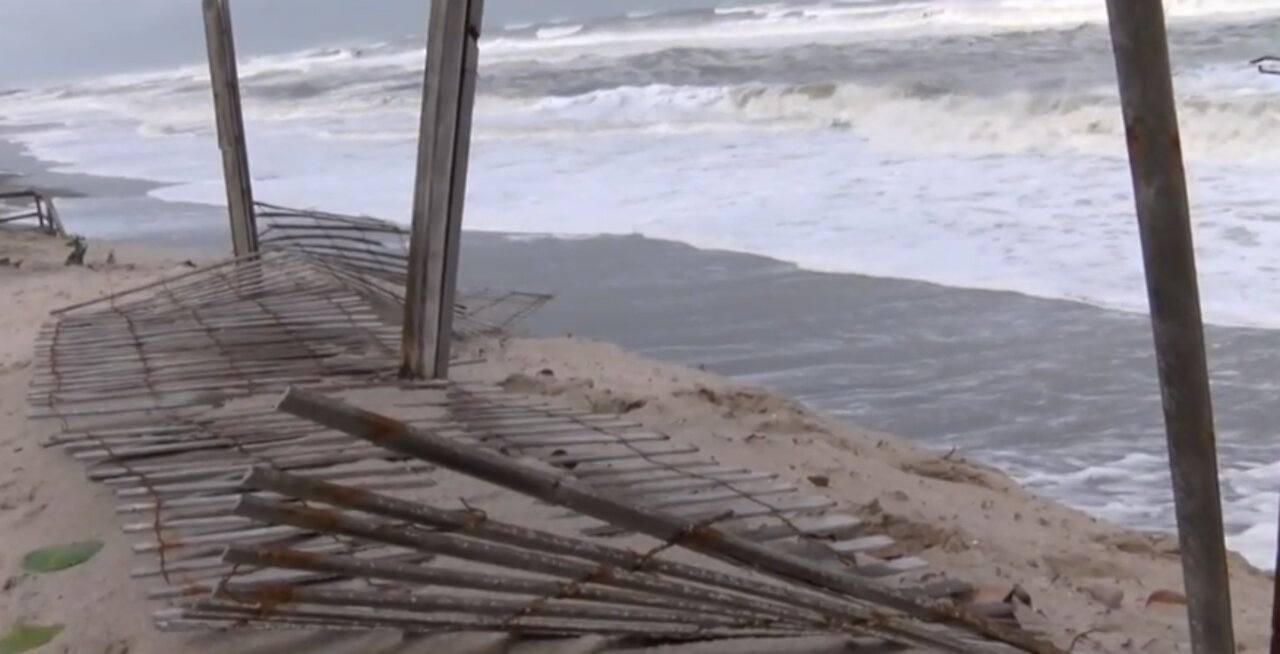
[(16, 162), (113, 208), (19, 168), (964, 517)]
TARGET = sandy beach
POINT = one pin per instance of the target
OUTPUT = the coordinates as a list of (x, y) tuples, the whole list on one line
[(1090, 582), (878, 258)]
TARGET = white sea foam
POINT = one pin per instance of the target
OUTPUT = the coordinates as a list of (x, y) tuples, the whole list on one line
[(558, 32), (1134, 488), (781, 24), (1043, 226), (1229, 113), (1217, 127)]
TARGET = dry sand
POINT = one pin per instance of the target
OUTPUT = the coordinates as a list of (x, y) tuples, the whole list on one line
[(972, 521)]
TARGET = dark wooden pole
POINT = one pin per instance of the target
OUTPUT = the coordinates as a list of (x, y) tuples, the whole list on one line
[(1164, 223), (225, 77), (444, 149)]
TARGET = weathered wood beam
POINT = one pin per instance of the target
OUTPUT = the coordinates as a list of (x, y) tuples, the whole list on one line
[(1141, 47), (440, 190), (225, 78)]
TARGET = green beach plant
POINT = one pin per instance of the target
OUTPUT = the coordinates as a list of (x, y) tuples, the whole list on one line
[(60, 557), (26, 637)]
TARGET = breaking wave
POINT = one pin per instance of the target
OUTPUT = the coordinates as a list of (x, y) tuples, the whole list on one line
[(784, 23), (921, 117), (1237, 126)]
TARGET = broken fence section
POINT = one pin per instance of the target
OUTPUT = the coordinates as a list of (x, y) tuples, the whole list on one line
[(483, 575), (198, 338), (231, 329), (181, 489), (166, 393), (374, 254), (862, 605), (27, 207)]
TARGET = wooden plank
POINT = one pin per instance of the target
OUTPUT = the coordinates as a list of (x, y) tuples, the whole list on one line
[(750, 507), (864, 544), (563, 440), (181, 471), (206, 584), (448, 284), (213, 542), (224, 75), (890, 568), (683, 480), (498, 424), (618, 472), (440, 190), (447, 577), (726, 512), (384, 478), (666, 449), (55, 220), (230, 447), (279, 433), (213, 564), (441, 602), (207, 618), (307, 316), (704, 496)]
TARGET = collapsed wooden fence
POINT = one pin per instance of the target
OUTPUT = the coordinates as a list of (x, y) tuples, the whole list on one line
[(167, 394), (298, 312)]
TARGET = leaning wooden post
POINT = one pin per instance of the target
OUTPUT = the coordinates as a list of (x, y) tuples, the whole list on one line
[(42, 215), (440, 191), (1164, 223), (231, 140)]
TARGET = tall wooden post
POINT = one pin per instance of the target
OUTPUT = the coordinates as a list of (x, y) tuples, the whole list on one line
[(231, 141), (1155, 153), (444, 148)]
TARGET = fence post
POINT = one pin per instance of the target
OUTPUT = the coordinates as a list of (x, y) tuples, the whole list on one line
[(42, 214), (1141, 47), (440, 189), (223, 73)]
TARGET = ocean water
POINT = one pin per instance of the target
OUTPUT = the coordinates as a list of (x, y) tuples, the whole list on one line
[(974, 144)]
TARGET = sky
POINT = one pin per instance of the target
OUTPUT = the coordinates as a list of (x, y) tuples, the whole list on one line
[(48, 40)]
